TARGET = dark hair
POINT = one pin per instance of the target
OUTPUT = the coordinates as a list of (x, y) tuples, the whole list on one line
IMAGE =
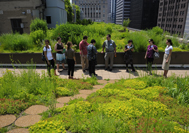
[(93, 41), (47, 41), (130, 41), (85, 37), (109, 35), (169, 40), (58, 38), (151, 40), (69, 45)]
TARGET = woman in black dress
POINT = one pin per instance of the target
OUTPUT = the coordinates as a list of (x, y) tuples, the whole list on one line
[(129, 48)]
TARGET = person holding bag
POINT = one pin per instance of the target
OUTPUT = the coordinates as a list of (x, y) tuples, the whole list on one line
[(49, 58), (167, 57), (151, 49), (91, 54), (60, 54), (129, 48)]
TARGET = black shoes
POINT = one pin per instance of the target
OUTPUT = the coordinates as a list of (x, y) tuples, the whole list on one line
[(83, 71), (127, 70), (110, 70)]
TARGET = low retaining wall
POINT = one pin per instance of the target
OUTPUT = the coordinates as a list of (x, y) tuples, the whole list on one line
[(138, 58)]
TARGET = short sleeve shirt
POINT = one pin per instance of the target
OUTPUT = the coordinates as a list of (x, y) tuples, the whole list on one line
[(91, 54), (83, 46), (109, 45), (168, 48), (49, 54), (150, 51), (70, 54)]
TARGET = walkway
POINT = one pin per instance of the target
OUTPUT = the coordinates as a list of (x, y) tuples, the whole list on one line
[(115, 74)]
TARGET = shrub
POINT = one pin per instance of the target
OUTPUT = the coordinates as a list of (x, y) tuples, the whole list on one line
[(37, 37), (157, 30), (38, 24), (16, 42)]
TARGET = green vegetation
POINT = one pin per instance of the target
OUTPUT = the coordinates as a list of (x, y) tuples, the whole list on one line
[(145, 104), (75, 32)]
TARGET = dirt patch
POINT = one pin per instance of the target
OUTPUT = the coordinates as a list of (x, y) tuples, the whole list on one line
[(19, 130)]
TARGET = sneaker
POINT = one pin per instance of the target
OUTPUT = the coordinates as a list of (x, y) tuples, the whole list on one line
[(84, 71), (106, 69), (110, 70)]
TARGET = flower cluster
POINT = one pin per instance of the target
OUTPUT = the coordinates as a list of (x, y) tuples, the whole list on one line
[(61, 91), (134, 83)]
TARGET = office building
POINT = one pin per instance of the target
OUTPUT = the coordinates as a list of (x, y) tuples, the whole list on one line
[(123, 8), (97, 11), (16, 15), (173, 16), (186, 28), (113, 11), (143, 14)]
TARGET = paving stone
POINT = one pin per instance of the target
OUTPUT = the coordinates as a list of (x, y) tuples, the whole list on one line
[(86, 92), (102, 81), (6, 120), (27, 120), (19, 130), (64, 99), (59, 105), (36, 109), (98, 86)]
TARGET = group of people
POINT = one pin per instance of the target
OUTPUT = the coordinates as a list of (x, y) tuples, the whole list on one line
[(88, 55)]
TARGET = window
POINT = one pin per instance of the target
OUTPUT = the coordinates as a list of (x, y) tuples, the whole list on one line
[(48, 18), (103, 15)]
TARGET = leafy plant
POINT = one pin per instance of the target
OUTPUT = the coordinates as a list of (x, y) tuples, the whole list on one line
[(38, 24)]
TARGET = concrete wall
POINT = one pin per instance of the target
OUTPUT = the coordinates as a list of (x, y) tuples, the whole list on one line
[(13, 10), (138, 58), (56, 9)]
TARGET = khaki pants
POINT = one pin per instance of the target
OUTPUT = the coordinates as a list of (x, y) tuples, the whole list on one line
[(109, 56), (84, 62)]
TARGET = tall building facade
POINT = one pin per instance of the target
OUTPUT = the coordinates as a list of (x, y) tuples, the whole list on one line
[(186, 29), (113, 11), (144, 13), (97, 11), (172, 16), (123, 8)]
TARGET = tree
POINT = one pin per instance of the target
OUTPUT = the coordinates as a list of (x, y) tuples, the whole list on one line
[(69, 10), (77, 12), (126, 23)]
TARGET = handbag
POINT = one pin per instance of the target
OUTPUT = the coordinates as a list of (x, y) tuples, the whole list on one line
[(156, 55), (43, 55)]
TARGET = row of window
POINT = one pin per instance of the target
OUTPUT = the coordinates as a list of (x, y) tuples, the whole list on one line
[(93, 15), (169, 26), (170, 19), (90, 6), (176, 13), (81, 2)]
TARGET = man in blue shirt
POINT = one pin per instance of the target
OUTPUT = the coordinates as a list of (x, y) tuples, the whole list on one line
[(91, 54)]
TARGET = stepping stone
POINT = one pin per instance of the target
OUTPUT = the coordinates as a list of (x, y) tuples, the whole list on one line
[(81, 95), (112, 81), (59, 105), (98, 87), (102, 81), (36, 109), (86, 92), (19, 130), (6, 120), (27, 120), (64, 99)]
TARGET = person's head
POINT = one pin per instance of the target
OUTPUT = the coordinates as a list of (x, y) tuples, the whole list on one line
[(93, 41), (108, 37), (69, 45), (47, 42), (130, 42), (169, 42), (151, 41), (85, 38), (58, 39)]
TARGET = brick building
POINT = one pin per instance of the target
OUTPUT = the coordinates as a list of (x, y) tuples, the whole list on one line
[(16, 15), (97, 11), (172, 16)]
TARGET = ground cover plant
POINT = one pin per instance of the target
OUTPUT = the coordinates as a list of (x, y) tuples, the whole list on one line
[(20, 90), (145, 104), (34, 42)]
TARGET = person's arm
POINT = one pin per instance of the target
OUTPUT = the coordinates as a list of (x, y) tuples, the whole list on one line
[(103, 46), (145, 55), (45, 53), (115, 48), (80, 48), (52, 56), (170, 52), (55, 48), (156, 50)]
